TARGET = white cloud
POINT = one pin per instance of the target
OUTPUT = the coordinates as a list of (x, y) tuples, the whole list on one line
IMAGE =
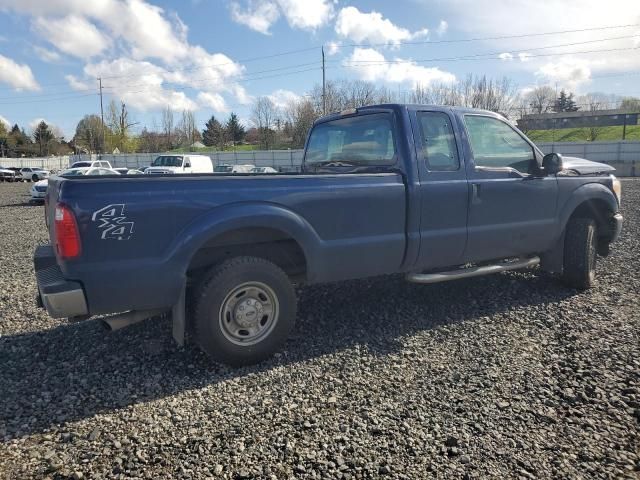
[(443, 26), (214, 101), (77, 84), (6, 122), (73, 35), (47, 55), (506, 56), (332, 48), (372, 66), (307, 14), (372, 27), (139, 84), (567, 72), (524, 56), (281, 98), (19, 76), (258, 17)]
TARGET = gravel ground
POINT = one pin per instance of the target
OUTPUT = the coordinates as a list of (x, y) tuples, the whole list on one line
[(508, 376)]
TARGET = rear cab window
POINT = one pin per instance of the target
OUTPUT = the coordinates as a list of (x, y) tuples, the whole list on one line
[(439, 150), (350, 143)]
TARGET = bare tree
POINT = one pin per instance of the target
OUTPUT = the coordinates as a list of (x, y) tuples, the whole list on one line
[(541, 99), (167, 126), (187, 131), (593, 102), (299, 117), (263, 117), (119, 125)]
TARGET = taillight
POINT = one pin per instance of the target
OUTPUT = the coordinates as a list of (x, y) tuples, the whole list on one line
[(66, 233)]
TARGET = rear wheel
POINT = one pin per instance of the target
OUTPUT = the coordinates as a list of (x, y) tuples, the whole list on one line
[(580, 253), (245, 309)]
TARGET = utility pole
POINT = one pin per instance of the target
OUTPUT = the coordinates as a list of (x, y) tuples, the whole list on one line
[(324, 87), (101, 112)]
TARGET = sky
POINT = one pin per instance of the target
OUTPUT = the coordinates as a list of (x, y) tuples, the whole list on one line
[(216, 56)]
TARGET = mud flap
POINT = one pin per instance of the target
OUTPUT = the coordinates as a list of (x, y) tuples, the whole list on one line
[(178, 318)]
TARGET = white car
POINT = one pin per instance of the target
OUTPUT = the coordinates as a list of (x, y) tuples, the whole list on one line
[(93, 164), (224, 168), (263, 170), (33, 174), (39, 189), (180, 164), (8, 175)]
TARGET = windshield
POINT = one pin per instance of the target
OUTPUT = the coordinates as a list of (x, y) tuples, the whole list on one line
[(223, 169), (81, 164), (167, 161)]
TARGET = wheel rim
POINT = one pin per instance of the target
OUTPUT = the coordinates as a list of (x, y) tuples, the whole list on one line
[(249, 313)]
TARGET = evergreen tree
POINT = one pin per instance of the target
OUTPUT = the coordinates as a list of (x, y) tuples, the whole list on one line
[(235, 130), (571, 104), (42, 136), (212, 133), (565, 103)]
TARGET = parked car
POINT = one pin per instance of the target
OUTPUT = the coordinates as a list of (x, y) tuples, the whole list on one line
[(170, 164), (121, 170), (39, 189), (263, 170), (33, 174), (9, 175), (435, 193), (224, 168), (92, 164)]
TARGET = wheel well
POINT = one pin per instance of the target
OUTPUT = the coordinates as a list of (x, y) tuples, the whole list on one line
[(268, 243), (598, 210)]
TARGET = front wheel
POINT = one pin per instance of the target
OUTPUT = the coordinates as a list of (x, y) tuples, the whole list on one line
[(34, 177), (580, 253), (245, 309)]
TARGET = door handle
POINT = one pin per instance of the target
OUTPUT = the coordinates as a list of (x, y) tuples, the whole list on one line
[(475, 193)]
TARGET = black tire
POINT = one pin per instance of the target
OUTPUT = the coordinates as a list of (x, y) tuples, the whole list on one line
[(219, 331), (580, 253), (34, 178)]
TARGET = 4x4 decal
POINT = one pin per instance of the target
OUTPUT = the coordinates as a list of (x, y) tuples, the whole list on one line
[(113, 222)]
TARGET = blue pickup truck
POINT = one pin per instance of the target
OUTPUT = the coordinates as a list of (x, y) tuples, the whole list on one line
[(434, 193)]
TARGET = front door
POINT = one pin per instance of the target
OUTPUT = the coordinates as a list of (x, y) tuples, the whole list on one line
[(511, 206), (443, 190)]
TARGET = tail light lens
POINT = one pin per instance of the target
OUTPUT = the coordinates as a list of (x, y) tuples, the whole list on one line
[(66, 233)]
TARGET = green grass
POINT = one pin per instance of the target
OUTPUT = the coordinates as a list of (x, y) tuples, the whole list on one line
[(582, 134)]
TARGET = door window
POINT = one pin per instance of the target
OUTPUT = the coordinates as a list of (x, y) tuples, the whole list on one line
[(495, 144), (438, 142)]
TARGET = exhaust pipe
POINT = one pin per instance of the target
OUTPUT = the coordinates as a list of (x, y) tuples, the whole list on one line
[(472, 271), (121, 320)]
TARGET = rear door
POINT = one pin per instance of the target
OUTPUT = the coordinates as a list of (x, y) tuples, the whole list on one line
[(443, 190), (512, 207)]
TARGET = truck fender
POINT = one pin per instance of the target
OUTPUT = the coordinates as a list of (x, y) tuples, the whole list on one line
[(247, 215), (553, 260)]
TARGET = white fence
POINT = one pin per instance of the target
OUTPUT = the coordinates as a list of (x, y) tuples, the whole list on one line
[(624, 156)]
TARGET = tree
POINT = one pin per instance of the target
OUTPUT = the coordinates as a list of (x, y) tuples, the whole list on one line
[(42, 136), (630, 104), (4, 135), (187, 129), (167, 127), (119, 127), (541, 99), (89, 134), (264, 115), (565, 103), (213, 133), (300, 115), (235, 130)]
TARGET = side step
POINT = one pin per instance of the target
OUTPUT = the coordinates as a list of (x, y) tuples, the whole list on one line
[(472, 271)]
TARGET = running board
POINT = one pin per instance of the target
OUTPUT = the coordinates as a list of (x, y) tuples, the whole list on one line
[(472, 271)]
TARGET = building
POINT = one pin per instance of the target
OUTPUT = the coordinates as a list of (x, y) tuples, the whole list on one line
[(579, 119)]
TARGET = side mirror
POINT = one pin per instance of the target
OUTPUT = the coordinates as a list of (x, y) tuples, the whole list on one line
[(187, 165), (552, 163)]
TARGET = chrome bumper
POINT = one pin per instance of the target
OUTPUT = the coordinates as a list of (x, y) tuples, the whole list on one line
[(59, 296)]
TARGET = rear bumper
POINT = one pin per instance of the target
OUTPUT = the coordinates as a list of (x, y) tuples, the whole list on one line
[(616, 226), (59, 296)]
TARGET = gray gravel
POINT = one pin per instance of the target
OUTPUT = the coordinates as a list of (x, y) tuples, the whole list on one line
[(508, 376)]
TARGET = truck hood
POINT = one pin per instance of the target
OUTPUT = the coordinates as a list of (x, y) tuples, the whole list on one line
[(585, 167)]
